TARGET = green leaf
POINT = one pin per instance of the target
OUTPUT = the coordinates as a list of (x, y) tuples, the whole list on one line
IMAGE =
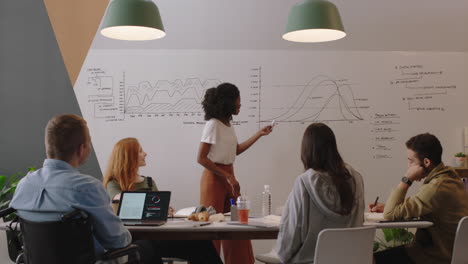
[(388, 234), (8, 186), (376, 246), (5, 191), (4, 204), (395, 237), (2, 180)]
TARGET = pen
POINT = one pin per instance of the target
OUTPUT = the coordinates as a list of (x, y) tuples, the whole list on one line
[(204, 224), (376, 200)]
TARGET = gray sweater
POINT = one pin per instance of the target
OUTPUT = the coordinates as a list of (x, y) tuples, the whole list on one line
[(311, 207)]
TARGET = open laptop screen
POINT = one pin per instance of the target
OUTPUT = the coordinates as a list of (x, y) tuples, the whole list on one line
[(144, 205)]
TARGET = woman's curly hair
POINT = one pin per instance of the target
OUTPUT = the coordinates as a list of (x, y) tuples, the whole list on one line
[(219, 102)]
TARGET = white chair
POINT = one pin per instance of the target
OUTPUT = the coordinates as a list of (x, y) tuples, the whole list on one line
[(338, 245), (172, 260), (268, 258), (345, 245), (460, 254)]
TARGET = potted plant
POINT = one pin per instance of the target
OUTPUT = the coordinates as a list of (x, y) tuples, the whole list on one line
[(460, 159), (7, 188), (8, 185), (393, 237)]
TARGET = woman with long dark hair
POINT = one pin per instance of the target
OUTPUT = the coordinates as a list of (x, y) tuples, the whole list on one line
[(217, 152), (329, 194)]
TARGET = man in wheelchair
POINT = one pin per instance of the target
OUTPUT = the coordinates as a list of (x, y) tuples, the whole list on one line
[(58, 188)]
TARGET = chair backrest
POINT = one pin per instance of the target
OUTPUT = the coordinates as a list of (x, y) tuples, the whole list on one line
[(345, 245), (66, 241), (460, 246)]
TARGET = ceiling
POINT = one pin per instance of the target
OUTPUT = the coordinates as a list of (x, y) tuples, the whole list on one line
[(373, 25)]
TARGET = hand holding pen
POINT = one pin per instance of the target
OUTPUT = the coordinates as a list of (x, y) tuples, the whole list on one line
[(376, 207)]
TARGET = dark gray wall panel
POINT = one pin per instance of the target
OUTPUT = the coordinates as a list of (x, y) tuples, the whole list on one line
[(34, 86)]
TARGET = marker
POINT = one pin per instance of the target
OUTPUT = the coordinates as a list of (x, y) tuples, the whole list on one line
[(273, 124)]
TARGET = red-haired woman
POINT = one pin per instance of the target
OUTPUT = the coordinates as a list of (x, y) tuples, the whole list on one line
[(122, 175)]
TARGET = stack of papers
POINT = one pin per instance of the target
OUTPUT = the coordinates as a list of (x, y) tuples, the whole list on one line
[(378, 217), (253, 223), (185, 212), (272, 219), (267, 221), (373, 217)]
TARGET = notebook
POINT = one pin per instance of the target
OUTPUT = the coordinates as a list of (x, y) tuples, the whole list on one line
[(146, 208), (373, 217), (379, 218)]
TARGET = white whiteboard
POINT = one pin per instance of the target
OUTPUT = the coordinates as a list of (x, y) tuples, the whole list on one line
[(374, 101)]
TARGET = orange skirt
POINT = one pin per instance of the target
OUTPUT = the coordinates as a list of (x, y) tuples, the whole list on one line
[(216, 191)]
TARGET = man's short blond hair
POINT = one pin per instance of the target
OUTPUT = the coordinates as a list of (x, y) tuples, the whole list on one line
[(63, 136)]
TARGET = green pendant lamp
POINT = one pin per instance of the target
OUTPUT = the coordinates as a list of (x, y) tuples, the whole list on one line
[(314, 21), (133, 20)]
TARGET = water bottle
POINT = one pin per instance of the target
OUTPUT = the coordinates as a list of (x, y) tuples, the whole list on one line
[(266, 201)]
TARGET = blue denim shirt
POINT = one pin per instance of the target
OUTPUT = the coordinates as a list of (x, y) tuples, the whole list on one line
[(57, 188)]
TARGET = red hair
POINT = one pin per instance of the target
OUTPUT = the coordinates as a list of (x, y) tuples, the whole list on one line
[(123, 164)]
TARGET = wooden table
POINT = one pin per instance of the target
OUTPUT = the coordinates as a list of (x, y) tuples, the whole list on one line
[(180, 230), (403, 224), (177, 230), (184, 230), (375, 219)]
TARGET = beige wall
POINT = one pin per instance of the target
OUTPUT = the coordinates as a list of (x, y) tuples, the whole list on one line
[(75, 24)]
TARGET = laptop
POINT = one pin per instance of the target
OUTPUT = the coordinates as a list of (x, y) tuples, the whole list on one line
[(144, 208)]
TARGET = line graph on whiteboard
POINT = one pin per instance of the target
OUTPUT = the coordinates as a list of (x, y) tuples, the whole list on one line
[(114, 98), (165, 96), (321, 99)]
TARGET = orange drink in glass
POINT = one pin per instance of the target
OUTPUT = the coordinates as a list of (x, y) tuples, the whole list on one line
[(243, 208), (243, 215)]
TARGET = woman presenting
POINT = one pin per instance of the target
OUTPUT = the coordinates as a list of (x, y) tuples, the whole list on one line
[(217, 152)]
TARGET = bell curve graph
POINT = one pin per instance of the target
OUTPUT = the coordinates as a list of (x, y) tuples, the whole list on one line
[(321, 99)]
